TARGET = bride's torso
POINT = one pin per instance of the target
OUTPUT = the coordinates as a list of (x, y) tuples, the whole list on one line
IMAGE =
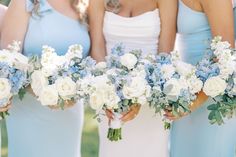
[(138, 32)]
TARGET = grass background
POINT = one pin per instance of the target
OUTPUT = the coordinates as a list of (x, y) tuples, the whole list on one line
[(90, 132)]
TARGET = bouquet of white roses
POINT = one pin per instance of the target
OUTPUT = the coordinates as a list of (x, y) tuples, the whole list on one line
[(120, 86), (54, 77), (218, 72), (13, 74), (174, 84)]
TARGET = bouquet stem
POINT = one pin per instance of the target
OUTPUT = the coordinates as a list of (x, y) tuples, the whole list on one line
[(114, 134), (115, 130)]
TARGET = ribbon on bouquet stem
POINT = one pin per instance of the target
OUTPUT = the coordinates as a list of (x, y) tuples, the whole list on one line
[(4, 140)]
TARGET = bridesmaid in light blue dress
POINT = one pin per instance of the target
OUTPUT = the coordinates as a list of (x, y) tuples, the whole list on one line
[(35, 130), (193, 135)]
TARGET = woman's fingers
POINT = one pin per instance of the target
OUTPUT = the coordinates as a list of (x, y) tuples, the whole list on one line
[(109, 114), (134, 110)]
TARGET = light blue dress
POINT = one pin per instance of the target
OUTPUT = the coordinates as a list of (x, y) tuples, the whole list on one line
[(194, 136), (34, 130)]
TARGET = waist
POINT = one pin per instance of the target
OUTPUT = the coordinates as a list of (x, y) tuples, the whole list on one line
[(193, 47)]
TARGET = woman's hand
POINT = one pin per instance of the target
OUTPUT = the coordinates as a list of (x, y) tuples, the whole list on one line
[(128, 116), (201, 98), (67, 104), (132, 113)]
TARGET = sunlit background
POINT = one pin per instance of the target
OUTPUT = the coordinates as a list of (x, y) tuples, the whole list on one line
[(90, 133)]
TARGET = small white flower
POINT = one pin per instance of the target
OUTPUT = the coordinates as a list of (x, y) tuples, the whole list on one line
[(5, 88), (74, 51), (20, 61), (48, 56), (101, 65), (7, 57), (214, 86), (38, 81), (226, 69), (66, 87), (175, 56), (49, 95), (128, 60)]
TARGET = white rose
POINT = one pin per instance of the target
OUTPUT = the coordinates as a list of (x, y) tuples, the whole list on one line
[(104, 94), (5, 88), (74, 51), (38, 81), (168, 71), (184, 69), (195, 85), (172, 88), (137, 88), (214, 86), (96, 101), (129, 60), (66, 87), (49, 95)]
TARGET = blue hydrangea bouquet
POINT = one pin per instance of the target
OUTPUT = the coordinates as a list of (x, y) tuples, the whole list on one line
[(13, 74), (54, 78)]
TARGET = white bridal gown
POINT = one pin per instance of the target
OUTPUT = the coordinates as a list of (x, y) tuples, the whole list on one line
[(145, 135)]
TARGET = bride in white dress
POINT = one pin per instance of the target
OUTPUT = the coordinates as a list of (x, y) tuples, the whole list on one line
[(149, 25)]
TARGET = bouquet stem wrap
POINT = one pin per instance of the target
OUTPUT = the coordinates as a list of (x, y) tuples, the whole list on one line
[(115, 130)]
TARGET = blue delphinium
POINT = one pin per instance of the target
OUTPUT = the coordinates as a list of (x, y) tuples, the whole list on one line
[(207, 68)]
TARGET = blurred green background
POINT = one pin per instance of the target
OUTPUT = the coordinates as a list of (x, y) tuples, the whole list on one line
[(90, 133)]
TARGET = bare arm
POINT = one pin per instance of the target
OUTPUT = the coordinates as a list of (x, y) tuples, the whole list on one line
[(168, 14), (220, 17), (15, 23), (3, 10), (96, 14)]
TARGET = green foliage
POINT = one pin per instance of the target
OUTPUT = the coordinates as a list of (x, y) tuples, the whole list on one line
[(221, 110), (5, 2)]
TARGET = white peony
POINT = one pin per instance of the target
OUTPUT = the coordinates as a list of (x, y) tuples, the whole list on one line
[(184, 69), (49, 95), (172, 88), (168, 71), (74, 51), (214, 86), (129, 60), (38, 81), (66, 87), (5, 88)]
